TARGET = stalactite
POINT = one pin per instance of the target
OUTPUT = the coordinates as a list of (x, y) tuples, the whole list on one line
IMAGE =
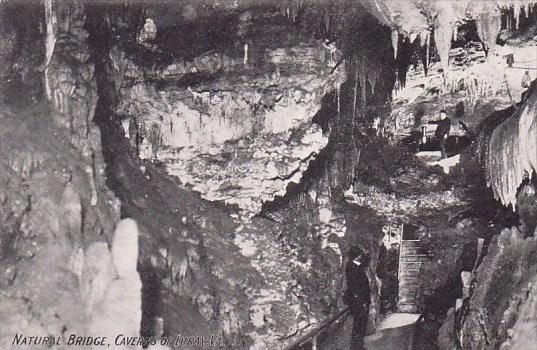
[(488, 27), (425, 40), (50, 41), (513, 152), (403, 61), (326, 21), (355, 89), (442, 39), (294, 8), (395, 42), (338, 101), (363, 80), (516, 9), (372, 77), (283, 9)]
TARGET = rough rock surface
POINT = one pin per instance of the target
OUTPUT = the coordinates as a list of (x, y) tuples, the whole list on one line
[(235, 123), (238, 139), (69, 78), (58, 216), (500, 288), (53, 238), (204, 258)]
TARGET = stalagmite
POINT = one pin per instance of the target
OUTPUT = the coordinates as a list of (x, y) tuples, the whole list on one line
[(71, 209), (395, 42), (93, 188), (147, 33), (50, 41), (119, 310), (125, 123)]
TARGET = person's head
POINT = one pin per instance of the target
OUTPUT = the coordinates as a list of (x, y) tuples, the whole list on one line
[(355, 252), (443, 114)]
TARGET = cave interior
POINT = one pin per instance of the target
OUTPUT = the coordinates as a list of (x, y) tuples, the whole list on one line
[(197, 171)]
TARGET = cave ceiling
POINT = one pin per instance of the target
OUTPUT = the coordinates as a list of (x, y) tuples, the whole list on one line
[(410, 18)]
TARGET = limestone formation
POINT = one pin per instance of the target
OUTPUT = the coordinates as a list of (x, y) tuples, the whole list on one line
[(97, 274), (513, 152), (69, 76), (71, 217), (147, 33), (249, 146), (119, 308)]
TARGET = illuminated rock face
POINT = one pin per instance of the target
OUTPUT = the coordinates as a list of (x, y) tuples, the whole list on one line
[(255, 171), (58, 274), (242, 140), (119, 308), (513, 152), (69, 76)]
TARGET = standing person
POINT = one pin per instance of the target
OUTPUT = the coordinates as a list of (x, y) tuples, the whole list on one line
[(442, 132), (357, 295)]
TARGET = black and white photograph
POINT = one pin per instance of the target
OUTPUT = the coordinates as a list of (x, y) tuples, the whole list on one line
[(268, 174)]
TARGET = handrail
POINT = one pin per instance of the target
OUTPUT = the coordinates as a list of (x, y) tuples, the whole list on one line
[(314, 332)]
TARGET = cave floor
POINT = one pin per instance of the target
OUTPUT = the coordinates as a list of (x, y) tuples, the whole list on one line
[(395, 333)]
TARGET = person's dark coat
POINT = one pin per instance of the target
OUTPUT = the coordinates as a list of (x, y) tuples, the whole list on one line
[(357, 298), (442, 129), (357, 294)]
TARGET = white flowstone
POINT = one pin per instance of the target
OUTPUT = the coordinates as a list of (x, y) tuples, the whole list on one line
[(119, 311), (97, 273), (125, 248)]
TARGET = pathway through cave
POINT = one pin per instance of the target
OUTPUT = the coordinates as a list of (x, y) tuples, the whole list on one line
[(395, 332)]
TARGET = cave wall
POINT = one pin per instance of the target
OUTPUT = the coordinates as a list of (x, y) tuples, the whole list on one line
[(22, 52), (501, 290), (501, 287), (207, 260), (274, 238), (69, 263), (494, 295), (293, 253)]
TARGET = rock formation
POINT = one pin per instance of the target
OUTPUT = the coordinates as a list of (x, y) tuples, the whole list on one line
[(58, 271), (247, 145), (115, 293)]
